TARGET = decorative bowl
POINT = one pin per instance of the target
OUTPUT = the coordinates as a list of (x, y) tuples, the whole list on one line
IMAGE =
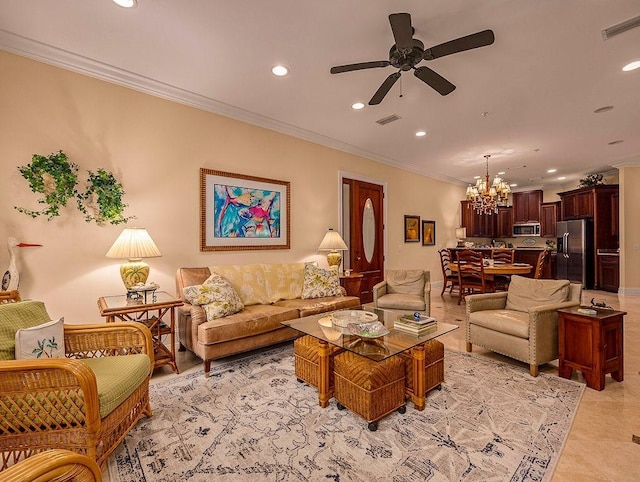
[(368, 330), (344, 317)]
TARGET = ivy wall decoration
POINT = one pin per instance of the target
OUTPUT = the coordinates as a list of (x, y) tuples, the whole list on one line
[(57, 178)]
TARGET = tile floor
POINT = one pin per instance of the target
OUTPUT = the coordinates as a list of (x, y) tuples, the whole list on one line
[(599, 446)]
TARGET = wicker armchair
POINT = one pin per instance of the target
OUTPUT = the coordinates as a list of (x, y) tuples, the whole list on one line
[(57, 465), (53, 403)]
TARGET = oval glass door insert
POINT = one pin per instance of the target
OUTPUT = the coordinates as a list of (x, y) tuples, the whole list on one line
[(368, 230)]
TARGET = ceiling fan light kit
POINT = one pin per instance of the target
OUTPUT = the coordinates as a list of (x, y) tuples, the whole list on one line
[(408, 52)]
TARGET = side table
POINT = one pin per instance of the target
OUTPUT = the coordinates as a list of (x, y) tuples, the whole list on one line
[(352, 283), (149, 310), (591, 343)]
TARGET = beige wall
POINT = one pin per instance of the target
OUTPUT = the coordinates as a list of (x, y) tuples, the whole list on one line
[(629, 230), (155, 148)]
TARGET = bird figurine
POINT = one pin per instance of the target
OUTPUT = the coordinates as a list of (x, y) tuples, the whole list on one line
[(11, 278)]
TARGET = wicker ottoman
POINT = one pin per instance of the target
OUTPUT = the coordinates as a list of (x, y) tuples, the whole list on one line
[(433, 367), (368, 388), (305, 352)]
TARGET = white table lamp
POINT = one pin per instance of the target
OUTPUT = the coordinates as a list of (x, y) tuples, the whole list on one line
[(134, 244), (333, 243)]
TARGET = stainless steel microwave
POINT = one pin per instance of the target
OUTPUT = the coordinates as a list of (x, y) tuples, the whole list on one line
[(526, 229)]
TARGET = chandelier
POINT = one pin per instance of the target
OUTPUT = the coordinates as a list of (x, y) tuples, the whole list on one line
[(485, 197)]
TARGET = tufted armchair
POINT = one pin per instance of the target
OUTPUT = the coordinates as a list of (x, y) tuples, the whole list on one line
[(404, 291), (85, 402), (521, 323)]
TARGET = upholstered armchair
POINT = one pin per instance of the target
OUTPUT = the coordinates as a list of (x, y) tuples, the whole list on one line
[(404, 291), (85, 401), (57, 465), (521, 323)]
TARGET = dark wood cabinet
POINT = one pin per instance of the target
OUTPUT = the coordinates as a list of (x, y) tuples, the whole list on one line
[(577, 205), (526, 206), (504, 224), (530, 256), (549, 215), (478, 225), (608, 272)]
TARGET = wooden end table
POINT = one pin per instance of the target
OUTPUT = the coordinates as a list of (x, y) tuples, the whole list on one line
[(591, 343), (150, 310), (352, 283)]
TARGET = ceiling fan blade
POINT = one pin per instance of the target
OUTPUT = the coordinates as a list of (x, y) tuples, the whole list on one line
[(434, 80), (363, 65), (402, 31), (384, 88), (473, 41)]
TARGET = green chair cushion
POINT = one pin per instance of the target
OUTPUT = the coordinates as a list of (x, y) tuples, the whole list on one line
[(13, 316), (117, 377)]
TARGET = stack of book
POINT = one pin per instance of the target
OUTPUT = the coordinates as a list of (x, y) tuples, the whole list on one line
[(409, 324)]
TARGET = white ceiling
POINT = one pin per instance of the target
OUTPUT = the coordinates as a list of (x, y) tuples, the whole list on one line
[(539, 83)]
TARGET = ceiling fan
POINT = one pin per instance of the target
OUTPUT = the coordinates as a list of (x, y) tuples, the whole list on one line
[(407, 52)]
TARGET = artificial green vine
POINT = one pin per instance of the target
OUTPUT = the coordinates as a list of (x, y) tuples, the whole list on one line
[(57, 178)]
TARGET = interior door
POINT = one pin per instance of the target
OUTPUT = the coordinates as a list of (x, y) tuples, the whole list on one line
[(366, 233)]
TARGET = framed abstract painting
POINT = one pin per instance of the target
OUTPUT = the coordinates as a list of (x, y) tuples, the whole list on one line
[(239, 212)]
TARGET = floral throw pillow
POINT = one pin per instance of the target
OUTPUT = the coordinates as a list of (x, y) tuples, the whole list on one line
[(319, 282), (216, 296), (42, 341)]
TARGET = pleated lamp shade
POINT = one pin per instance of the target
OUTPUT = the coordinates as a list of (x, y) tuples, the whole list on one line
[(134, 244)]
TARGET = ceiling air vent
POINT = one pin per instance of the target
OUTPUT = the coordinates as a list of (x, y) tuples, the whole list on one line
[(614, 30), (388, 119)]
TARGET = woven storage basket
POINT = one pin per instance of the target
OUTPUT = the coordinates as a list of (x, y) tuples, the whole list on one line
[(433, 367), (368, 388), (305, 351)]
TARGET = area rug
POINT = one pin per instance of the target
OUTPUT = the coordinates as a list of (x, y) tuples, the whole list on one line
[(251, 420)]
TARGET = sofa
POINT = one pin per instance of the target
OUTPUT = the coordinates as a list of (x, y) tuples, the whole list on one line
[(268, 293), (521, 323)]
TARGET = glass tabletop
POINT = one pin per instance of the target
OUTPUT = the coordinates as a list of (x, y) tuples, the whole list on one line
[(145, 299), (320, 326)]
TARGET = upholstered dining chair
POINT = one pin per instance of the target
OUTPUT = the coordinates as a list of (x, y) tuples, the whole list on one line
[(449, 279), (537, 274), (503, 255), (471, 277), (86, 400)]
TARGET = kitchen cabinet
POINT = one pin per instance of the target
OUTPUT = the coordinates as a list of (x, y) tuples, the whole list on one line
[(549, 215), (577, 205), (608, 272), (526, 206), (530, 256), (478, 225), (504, 224)]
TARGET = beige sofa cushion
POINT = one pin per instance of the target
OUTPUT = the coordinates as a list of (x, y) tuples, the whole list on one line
[(511, 322), (405, 281), (248, 280), (399, 301), (320, 305), (525, 293)]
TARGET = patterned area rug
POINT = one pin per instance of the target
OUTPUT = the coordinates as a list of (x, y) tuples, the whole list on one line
[(251, 420)]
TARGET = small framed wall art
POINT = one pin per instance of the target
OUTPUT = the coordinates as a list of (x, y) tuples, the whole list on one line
[(411, 229), (428, 233), (239, 212)]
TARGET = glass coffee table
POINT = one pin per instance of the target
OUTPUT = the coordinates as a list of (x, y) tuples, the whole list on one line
[(376, 349)]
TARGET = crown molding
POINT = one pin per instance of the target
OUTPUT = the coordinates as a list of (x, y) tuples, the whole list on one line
[(57, 57)]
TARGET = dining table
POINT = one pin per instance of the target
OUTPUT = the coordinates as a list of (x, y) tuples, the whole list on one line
[(505, 269)]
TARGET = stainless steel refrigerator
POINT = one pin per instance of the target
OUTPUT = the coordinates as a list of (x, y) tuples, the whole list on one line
[(575, 257)]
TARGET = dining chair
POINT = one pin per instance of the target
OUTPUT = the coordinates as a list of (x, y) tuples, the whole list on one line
[(471, 277), (504, 255), (542, 257), (449, 279)]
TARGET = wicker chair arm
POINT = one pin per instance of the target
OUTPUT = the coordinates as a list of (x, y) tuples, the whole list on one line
[(54, 465), (108, 339), (41, 383)]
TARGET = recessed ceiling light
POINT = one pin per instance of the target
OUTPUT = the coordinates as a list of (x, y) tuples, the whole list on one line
[(561, 178), (606, 108), (632, 66), (551, 171), (126, 3), (619, 141), (513, 184), (357, 106), (501, 173), (421, 133), (280, 70)]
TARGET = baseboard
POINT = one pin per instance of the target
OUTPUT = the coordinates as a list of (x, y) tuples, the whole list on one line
[(628, 291)]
